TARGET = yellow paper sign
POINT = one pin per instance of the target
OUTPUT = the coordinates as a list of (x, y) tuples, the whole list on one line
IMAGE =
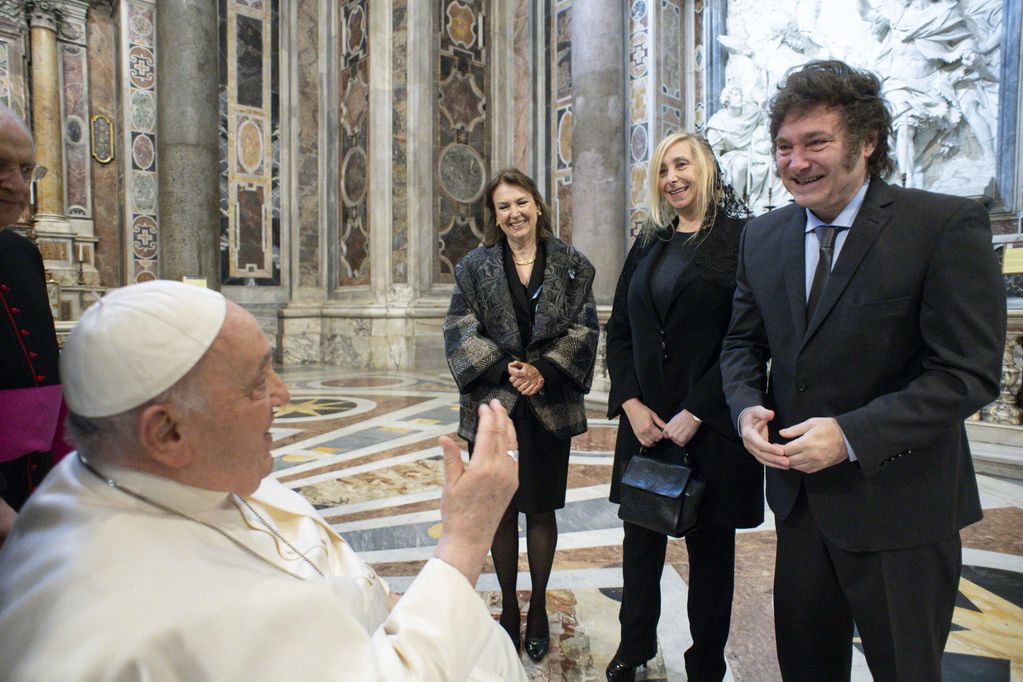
[(1012, 260)]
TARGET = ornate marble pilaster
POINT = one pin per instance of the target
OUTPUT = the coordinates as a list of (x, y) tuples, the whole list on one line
[(598, 199), (137, 51), (46, 117), (188, 153)]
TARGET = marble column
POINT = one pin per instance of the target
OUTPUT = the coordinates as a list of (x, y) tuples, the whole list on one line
[(46, 120), (188, 154), (599, 219)]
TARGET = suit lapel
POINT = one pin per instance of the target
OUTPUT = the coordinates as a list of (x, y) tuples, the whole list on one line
[(496, 302), (869, 222)]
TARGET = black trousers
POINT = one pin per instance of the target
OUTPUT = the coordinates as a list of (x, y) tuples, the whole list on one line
[(901, 601), (711, 582)]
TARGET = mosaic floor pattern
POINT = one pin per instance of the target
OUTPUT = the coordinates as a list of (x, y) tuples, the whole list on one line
[(362, 447)]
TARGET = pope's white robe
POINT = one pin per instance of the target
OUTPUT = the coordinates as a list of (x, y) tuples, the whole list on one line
[(97, 585)]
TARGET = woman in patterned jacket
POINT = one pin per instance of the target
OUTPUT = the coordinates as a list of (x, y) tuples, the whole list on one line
[(522, 328)]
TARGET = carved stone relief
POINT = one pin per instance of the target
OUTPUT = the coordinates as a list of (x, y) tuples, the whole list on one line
[(938, 60)]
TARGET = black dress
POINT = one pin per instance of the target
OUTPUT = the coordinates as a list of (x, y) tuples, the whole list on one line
[(543, 457)]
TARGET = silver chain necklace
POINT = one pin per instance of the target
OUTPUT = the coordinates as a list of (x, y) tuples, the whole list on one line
[(237, 543)]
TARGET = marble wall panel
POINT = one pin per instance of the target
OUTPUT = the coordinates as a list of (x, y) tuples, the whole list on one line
[(251, 226), (249, 52), (559, 134), (642, 76), (353, 144), (72, 57), (461, 145), (101, 41), (249, 143), (308, 181), (139, 87), (77, 199), (399, 145)]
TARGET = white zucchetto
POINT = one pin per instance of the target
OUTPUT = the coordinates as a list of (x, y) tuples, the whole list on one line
[(136, 343)]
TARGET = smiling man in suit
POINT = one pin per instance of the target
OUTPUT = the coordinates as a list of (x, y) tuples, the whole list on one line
[(875, 363)]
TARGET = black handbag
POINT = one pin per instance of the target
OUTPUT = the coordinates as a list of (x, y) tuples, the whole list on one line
[(661, 496)]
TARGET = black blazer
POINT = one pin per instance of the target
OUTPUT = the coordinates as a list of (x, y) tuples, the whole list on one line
[(690, 377), (905, 343)]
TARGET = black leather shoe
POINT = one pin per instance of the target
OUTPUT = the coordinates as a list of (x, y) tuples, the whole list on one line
[(619, 671), (537, 647)]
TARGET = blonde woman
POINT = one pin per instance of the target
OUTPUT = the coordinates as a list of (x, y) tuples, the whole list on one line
[(671, 309)]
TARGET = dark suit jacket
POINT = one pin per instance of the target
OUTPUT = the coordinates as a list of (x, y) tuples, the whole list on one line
[(480, 329), (905, 343), (690, 378)]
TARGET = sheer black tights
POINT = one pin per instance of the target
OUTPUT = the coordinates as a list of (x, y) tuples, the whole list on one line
[(541, 542)]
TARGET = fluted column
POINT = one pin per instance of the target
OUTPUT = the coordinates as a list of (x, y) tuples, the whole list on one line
[(188, 154), (599, 219), (46, 122)]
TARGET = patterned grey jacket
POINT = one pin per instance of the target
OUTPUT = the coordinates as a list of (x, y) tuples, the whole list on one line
[(480, 329)]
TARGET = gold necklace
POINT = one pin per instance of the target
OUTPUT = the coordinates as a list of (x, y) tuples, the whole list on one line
[(237, 543), (524, 262)]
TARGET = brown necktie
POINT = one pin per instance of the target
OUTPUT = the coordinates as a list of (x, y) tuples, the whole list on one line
[(826, 239)]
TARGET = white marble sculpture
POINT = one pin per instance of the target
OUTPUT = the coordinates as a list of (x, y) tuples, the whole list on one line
[(939, 61), (738, 133)]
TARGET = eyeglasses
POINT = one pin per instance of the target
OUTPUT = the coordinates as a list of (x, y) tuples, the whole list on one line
[(30, 172)]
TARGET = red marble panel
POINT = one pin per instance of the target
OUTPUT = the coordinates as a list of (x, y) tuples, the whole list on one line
[(251, 231), (76, 154), (102, 94)]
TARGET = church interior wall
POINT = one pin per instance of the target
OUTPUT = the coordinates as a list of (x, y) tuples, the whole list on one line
[(356, 136)]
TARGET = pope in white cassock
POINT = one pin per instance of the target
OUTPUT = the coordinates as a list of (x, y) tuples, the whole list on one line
[(163, 552)]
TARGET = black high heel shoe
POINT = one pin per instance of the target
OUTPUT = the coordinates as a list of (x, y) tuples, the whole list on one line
[(537, 647), (619, 671)]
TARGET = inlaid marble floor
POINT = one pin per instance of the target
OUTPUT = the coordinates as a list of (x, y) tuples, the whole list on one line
[(362, 447)]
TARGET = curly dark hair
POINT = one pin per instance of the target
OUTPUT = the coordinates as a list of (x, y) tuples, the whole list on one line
[(854, 93), (513, 176)]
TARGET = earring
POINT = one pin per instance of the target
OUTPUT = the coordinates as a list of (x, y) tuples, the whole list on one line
[(539, 212)]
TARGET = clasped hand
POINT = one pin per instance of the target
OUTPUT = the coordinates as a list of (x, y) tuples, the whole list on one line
[(525, 378), (816, 444), (648, 427)]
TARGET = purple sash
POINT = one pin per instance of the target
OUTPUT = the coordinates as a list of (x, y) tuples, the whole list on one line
[(28, 420)]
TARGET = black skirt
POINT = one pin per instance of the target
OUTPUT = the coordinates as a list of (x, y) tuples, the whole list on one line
[(543, 463)]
